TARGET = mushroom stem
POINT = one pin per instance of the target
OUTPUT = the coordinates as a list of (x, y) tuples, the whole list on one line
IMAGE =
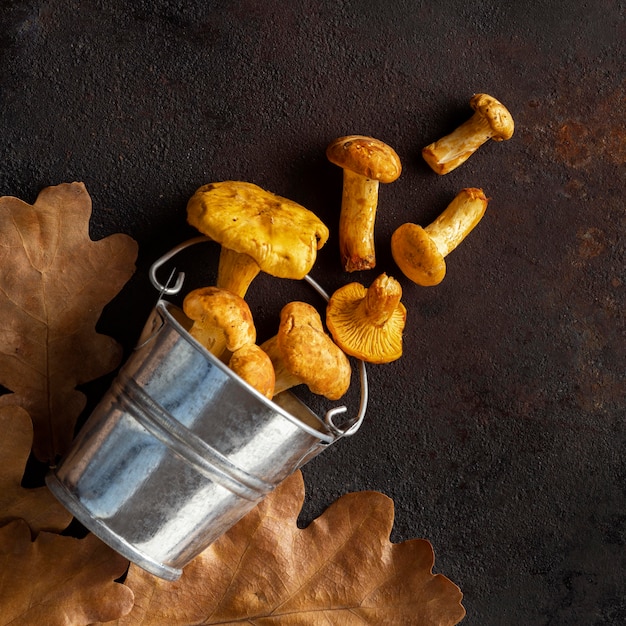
[(235, 272), (420, 252), (454, 149), (368, 322), (491, 120), (356, 223), (381, 300), (366, 162), (458, 220)]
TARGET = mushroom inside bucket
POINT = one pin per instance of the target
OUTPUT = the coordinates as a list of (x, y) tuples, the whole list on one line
[(181, 447)]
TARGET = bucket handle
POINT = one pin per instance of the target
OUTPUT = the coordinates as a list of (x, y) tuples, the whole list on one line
[(329, 419)]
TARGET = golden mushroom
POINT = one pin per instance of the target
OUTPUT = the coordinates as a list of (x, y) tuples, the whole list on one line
[(302, 353), (365, 162), (419, 252), (252, 364), (222, 321), (368, 322), (257, 230), (491, 120)]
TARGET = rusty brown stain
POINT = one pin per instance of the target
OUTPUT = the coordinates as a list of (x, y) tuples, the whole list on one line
[(575, 188), (591, 242), (577, 144), (572, 144), (598, 133)]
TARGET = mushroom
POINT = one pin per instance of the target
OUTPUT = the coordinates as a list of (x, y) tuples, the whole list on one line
[(368, 322), (491, 120), (366, 162), (252, 364), (419, 252), (258, 230), (222, 320), (302, 353)]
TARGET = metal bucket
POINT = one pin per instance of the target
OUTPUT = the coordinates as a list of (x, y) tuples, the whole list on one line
[(180, 448)]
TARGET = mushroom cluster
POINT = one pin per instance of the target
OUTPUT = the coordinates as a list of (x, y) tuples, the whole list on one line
[(260, 231), (420, 252), (223, 324)]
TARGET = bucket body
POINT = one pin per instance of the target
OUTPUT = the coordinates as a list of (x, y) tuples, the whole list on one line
[(179, 449)]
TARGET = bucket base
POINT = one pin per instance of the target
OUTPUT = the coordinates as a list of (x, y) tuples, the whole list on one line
[(119, 544)]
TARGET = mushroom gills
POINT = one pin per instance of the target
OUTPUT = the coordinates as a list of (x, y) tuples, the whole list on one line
[(368, 323)]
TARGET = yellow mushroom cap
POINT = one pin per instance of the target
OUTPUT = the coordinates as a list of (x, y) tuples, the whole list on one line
[(368, 323), (416, 254), (253, 365), (419, 252), (282, 236), (366, 156), (303, 353), (221, 319), (496, 114)]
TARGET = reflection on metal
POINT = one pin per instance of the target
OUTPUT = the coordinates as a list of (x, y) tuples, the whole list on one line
[(164, 289), (180, 448)]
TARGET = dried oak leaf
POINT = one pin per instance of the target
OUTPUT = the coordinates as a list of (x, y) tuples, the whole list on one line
[(54, 284), (59, 581), (341, 569), (38, 507)]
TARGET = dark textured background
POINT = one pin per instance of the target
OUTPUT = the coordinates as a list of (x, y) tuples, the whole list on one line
[(500, 435)]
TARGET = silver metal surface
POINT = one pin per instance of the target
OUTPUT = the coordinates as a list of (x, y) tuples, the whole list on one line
[(180, 448), (329, 418), (165, 289)]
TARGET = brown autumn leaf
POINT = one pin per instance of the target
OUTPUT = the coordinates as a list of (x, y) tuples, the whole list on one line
[(341, 569), (59, 581), (54, 284), (38, 507)]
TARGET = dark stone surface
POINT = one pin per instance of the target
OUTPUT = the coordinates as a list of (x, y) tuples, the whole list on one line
[(500, 435)]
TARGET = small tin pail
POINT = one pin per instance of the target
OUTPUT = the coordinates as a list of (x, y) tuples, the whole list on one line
[(180, 448)]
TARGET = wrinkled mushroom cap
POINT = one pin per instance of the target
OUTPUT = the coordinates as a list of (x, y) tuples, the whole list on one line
[(358, 329), (280, 235), (417, 255), (253, 365), (310, 354), (219, 317), (498, 116), (366, 156)]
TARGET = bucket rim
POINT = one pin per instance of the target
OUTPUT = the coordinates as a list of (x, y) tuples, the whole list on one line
[(350, 428), (326, 433)]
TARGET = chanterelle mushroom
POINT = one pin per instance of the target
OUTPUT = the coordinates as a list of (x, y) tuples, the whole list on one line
[(368, 322), (302, 353), (366, 162), (253, 365), (221, 320), (258, 230), (419, 252), (491, 120)]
